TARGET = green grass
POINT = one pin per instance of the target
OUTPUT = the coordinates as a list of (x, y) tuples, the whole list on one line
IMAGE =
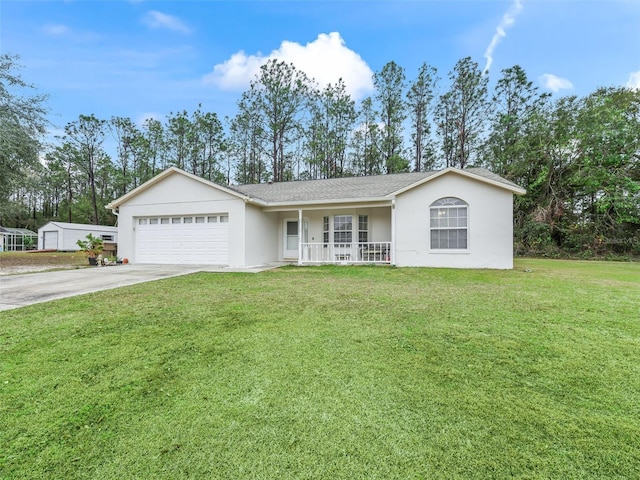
[(330, 372)]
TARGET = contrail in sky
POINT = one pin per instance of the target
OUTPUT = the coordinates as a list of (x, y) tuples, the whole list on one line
[(508, 19)]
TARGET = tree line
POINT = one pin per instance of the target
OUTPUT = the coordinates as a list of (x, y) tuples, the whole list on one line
[(578, 157)]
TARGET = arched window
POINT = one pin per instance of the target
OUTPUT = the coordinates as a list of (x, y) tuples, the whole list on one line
[(448, 224)]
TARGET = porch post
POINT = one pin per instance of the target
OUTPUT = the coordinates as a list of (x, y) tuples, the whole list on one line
[(299, 236), (393, 231)]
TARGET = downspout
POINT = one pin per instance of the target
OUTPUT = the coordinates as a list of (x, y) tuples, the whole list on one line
[(299, 237), (115, 212), (393, 231)]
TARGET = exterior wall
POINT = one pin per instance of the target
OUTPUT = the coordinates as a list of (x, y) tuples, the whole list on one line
[(261, 236), (490, 225), (180, 195), (68, 236), (379, 224)]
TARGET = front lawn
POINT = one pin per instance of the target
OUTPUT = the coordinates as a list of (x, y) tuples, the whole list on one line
[(330, 372)]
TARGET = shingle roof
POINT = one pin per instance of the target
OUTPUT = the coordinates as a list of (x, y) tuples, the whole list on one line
[(347, 188)]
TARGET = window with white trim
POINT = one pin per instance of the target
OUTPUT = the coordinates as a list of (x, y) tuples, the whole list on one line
[(363, 228), (342, 229), (325, 229), (448, 224)]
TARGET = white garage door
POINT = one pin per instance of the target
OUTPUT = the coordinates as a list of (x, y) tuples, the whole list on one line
[(195, 240), (50, 240)]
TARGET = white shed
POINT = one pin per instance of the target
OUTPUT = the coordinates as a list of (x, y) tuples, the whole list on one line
[(64, 236)]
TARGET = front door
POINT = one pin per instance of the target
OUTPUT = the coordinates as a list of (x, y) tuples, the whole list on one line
[(290, 246)]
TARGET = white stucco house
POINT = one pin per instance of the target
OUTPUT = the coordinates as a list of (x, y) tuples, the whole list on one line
[(447, 218), (63, 236)]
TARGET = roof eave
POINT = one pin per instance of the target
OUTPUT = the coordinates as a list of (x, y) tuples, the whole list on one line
[(327, 202)]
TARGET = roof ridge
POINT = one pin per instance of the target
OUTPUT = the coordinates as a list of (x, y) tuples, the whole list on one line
[(310, 180)]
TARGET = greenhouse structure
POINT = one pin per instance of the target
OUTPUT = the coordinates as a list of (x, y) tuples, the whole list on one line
[(17, 239)]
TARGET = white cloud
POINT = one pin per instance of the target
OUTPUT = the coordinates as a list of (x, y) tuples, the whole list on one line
[(326, 59), (63, 31), (155, 19), (634, 81), (554, 83), (508, 20), (56, 29)]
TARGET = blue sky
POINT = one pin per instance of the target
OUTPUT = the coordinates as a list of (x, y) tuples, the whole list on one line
[(148, 58)]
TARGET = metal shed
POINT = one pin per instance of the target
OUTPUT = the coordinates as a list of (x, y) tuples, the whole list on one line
[(64, 236), (17, 239)]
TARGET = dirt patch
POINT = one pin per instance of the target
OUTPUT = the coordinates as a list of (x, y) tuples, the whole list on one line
[(33, 269), (25, 262)]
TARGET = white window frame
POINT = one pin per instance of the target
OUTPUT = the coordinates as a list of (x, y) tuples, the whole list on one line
[(326, 229), (441, 210), (363, 220), (339, 231)]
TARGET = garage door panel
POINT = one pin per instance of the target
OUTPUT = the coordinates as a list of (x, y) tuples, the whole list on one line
[(50, 241), (203, 241)]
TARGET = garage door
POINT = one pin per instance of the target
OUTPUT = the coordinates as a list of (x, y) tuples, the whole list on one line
[(50, 240), (195, 240)]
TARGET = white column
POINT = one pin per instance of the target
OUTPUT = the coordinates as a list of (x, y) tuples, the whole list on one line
[(393, 231), (299, 236)]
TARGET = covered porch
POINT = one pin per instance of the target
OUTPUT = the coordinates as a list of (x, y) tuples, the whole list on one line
[(349, 234)]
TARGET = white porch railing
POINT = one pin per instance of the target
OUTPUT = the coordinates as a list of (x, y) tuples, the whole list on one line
[(369, 252)]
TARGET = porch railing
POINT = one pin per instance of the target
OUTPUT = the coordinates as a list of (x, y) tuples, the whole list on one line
[(368, 252)]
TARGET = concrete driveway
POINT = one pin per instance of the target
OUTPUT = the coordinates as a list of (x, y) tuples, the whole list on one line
[(20, 290)]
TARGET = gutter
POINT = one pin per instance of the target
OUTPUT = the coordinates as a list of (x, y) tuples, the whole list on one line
[(331, 201)]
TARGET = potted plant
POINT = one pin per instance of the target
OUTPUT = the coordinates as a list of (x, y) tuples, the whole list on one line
[(92, 247)]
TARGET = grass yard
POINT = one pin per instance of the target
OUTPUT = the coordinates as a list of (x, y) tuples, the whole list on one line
[(330, 373)]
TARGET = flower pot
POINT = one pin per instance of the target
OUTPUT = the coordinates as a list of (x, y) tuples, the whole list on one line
[(93, 261)]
